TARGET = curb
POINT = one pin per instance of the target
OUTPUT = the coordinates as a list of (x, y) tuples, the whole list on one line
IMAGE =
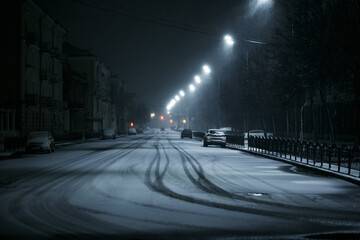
[(348, 178)]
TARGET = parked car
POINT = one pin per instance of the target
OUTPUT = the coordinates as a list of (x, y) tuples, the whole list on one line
[(186, 133), (214, 137), (108, 133), (132, 131), (40, 141), (162, 129), (255, 133)]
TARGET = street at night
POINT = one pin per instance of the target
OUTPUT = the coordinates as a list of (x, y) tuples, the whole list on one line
[(158, 185), (180, 119)]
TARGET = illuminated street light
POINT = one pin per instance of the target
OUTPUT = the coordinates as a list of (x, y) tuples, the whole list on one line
[(182, 93), (229, 40), (184, 121), (177, 98), (206, 69), (263, 2), (192, 87), (197, 79), (152, 115)]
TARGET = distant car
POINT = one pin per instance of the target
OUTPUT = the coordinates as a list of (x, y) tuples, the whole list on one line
[(186, 133), (255, 133), (162, 129), (40, 141), (139, 130), (214, 137), (108, 133), (132, 131)]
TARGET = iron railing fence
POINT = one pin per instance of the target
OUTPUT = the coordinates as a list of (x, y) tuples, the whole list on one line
[(341, 158)]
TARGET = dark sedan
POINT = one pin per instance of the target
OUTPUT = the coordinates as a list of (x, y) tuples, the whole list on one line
[(186, 133)]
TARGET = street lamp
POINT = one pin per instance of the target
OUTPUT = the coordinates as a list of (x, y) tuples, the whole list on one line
[(229, 40), (206, 69), (197, 79), (182, 93), (192, 87), (177, 98), (152, 115)]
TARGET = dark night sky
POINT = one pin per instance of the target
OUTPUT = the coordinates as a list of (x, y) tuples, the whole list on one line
[(155, 60)]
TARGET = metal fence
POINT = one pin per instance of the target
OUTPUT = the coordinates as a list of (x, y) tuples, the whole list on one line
[(341, 158)]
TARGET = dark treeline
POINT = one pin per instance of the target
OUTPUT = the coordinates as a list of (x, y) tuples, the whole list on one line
[(305, 82)]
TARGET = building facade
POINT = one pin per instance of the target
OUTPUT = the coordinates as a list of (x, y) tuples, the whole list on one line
[(31, 96), (99, 106)]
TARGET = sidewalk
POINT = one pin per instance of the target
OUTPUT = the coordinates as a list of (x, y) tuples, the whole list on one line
[(18, 152), (343, 174)]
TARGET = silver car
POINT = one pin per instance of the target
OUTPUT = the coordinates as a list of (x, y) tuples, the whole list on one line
[(40, 141), (214, 137)]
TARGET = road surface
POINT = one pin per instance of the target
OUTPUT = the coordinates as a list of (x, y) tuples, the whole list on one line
[(159, 186)]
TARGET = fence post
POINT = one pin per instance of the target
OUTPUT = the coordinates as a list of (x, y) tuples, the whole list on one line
[(290, 148), (301, 146), (296, 148), (339, 157), (276, 146), (314, 152), (350, 156), (332, 148), (307, 152), (321, 154)]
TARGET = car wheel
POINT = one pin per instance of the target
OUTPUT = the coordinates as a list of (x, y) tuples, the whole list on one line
[(205, 144), (223, 145), (182, 137)]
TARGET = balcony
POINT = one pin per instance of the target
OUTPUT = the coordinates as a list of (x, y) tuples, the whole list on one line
[(45, 47), (54, 103), (45, 101), (32, 38), (31, 99), (54, 51), (62, 57), (76, 105), (53, 78), (45, 76)]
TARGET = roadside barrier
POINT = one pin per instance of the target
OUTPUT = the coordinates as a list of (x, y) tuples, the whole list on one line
[(340, 158)]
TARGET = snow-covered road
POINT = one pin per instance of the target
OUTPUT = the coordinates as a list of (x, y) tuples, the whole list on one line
[(160, 186)]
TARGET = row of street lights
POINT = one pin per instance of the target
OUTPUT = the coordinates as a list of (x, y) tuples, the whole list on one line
[(229, 41), (192, 88)]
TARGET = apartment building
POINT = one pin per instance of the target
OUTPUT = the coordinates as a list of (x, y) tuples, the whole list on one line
[(98, 106), (31, 92)]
